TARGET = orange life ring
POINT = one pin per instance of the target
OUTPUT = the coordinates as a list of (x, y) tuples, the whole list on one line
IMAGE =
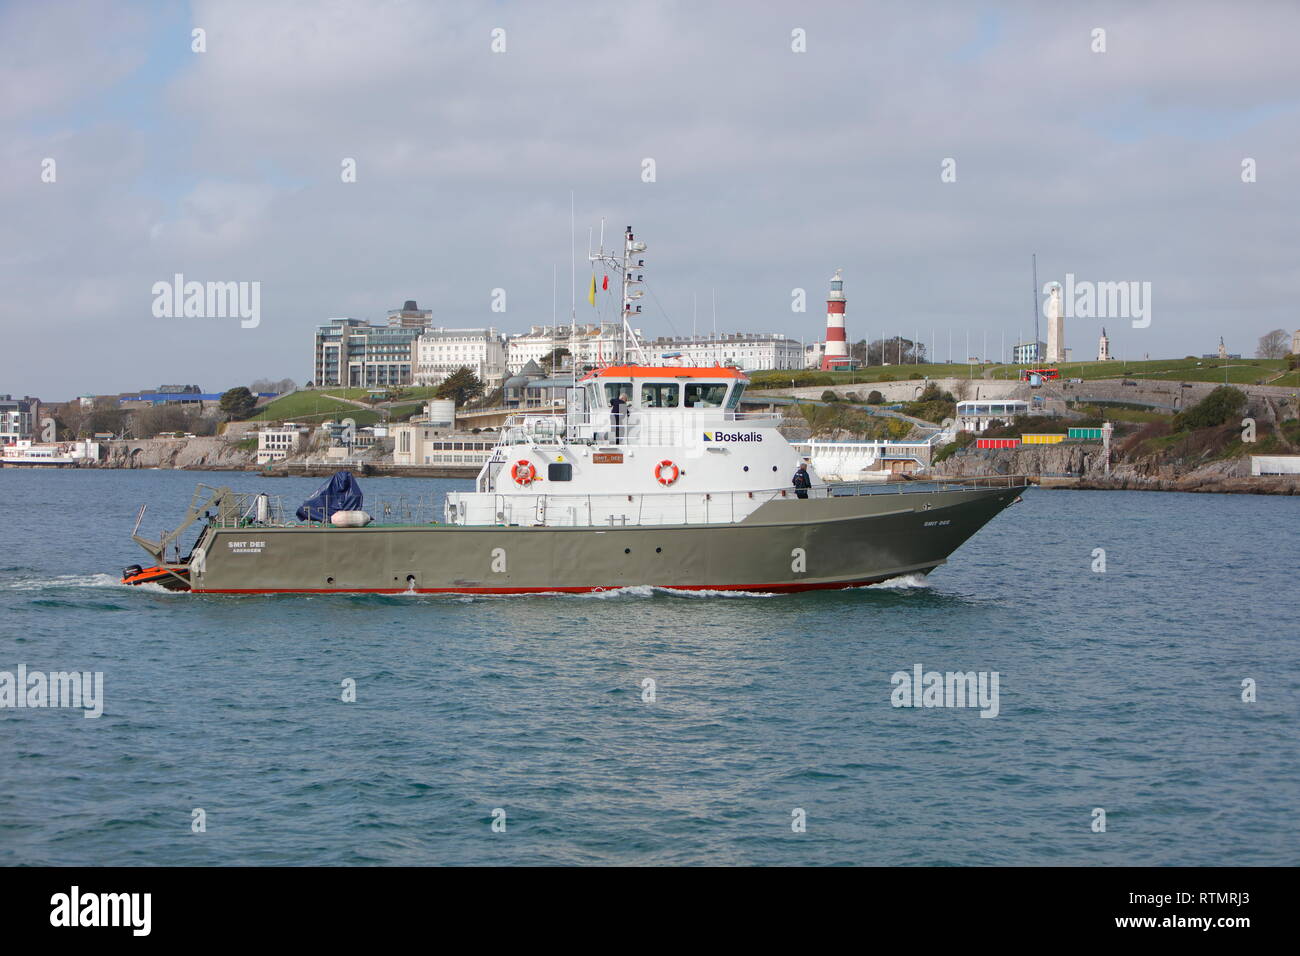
[(523, 472), (669, 478)]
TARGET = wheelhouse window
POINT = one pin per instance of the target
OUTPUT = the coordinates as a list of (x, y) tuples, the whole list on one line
[(737, 390), (659, 394), (710, 395), (613, 389)]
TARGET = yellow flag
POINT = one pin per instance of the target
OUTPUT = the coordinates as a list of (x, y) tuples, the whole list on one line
[(591, 293)]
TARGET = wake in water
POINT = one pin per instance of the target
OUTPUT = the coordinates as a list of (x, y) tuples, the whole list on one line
[(903, 582), (59, 581)]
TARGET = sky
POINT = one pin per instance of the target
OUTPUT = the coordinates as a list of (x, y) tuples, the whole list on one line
[(927, 149)]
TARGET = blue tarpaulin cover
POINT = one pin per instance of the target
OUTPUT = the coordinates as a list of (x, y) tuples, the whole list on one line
[(340, 493)]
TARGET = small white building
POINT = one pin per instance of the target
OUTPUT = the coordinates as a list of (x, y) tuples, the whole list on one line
[(1275, 464), (278, 442), (975, 416), (421, 443)]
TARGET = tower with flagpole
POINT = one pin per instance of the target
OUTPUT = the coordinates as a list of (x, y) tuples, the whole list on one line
[(837, 345)]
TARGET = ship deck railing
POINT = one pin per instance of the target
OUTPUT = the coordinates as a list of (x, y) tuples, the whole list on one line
[(253, 510)]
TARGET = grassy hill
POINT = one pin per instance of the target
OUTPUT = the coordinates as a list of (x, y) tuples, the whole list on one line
[(313, 407), (1237, 371)]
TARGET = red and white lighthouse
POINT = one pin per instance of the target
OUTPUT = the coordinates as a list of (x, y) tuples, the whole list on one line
[(837, 345)]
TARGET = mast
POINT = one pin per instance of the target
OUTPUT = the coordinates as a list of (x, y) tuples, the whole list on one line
[(1037, 357), (633, 278)]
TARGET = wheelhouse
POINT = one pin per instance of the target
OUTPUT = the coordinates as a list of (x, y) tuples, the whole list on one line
[(652, 388)]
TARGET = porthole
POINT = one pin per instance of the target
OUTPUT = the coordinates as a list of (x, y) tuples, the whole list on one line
[(659, 550), (627, 550), (747, 468), (329, 580)]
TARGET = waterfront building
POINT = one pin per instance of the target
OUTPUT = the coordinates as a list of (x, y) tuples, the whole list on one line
[(422, 443), (976, 416)]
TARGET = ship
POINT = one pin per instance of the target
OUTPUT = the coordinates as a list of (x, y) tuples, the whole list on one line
[(652, 474)]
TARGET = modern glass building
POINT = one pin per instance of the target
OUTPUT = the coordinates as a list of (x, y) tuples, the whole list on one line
[(354, 354)]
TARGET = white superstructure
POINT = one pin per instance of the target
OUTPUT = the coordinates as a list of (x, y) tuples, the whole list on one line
[(677, 452)]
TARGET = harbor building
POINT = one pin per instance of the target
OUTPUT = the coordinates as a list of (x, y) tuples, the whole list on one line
[(421, 443), (976, 416)]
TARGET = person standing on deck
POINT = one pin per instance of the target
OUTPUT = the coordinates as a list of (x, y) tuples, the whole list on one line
[(802, 482), (616, 406)]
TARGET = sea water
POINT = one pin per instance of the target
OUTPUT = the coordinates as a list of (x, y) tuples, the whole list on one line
[(1144, 646)]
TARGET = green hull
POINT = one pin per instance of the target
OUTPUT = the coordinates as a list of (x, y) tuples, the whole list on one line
[(785, 545)]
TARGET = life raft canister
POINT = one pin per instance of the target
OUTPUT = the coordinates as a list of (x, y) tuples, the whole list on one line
[(523, 472), (666, 472)]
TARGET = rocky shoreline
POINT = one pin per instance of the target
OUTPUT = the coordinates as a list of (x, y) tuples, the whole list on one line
[(1081, 466)]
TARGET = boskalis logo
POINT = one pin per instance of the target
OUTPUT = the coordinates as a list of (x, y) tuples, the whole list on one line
[(733, 436)]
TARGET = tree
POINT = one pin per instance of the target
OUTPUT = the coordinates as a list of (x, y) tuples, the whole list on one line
[(1215, 409), (895, 351), (278, 387), (555, 357), (238, 403), (461, 385), (1274, 345)]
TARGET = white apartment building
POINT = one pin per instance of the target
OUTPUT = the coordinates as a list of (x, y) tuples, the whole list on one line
[(751, 351), (592, 345), (439, 352)]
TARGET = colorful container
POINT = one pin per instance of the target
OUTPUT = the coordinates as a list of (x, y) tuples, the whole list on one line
[(997, 442), (1086, 434), (1042, 439)]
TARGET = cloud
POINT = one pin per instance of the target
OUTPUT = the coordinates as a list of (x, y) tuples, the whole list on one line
[(774, 168)]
